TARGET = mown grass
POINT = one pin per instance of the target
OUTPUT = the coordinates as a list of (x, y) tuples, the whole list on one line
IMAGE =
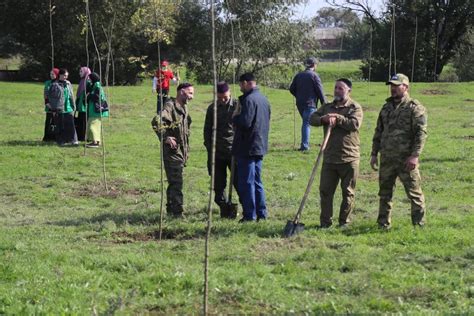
[(67, 246)]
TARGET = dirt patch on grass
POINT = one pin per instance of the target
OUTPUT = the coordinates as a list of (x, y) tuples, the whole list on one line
[(435, 92), (116, 188), (167, 234), (469, 100)]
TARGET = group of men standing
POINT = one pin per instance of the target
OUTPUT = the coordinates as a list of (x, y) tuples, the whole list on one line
[(242, 141)]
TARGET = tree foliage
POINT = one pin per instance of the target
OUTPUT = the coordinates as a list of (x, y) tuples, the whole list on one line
[(438, 25)]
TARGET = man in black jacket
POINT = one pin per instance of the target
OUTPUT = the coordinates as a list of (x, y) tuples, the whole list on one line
[(226, 106), (250, 144)]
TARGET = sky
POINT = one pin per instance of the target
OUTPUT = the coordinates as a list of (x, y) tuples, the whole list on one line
[(313, 6)]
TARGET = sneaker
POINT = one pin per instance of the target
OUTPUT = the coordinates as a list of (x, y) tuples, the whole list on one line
[(76, 143), (92, 145)]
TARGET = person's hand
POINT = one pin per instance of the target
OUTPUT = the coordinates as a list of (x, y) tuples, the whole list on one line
[(411, 163), (172, 142), (329, 119), (374, 162)]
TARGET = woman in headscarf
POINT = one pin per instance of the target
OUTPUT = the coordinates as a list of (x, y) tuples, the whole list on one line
[(65, 123), (49, 132), (81, 103), (96, 109)]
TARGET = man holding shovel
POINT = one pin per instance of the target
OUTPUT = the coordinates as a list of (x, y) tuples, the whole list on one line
[(226, 106), (342, 154)]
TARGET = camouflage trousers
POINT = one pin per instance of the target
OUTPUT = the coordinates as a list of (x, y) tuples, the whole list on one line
[(390, 169), (330, 175), (174, 192)]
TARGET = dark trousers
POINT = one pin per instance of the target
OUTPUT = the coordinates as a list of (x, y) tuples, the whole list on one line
[(250, 187), (49, 128), (331, 174), (174, 192), (158, 99), (81, 125), (66, 132), (220, 177)]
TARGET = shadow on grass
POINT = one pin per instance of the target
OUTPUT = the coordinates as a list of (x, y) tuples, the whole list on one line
[(177, 229), (32, 143)]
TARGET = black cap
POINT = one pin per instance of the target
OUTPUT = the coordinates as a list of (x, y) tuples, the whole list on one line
[(310, 62), (346, 81), (247, 77), (222, 87)]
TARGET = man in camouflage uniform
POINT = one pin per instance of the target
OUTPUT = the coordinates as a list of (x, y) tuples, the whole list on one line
[(399, 137), (226, 106), (174, 131), (342, 153)]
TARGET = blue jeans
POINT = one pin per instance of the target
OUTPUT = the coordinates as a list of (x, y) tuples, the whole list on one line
[(305, 113), (250, 187)]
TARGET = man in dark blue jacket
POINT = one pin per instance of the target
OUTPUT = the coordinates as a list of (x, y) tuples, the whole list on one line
[(307, 89), (252, 123)]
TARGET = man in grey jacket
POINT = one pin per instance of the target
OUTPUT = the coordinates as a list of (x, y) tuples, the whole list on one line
[(307, 89)]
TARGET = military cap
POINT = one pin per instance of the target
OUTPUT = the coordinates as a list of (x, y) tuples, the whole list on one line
[(399, 79)]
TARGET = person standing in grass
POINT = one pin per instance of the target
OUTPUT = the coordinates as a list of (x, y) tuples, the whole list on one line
[(96, 109), (174, 133), (81, 103), (49, 127), (66, 131), (161, 83), (307, 89), (399, 137), (342, 153), (226, 106), (250, 144)]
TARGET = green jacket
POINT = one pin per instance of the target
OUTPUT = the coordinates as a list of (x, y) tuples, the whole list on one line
[(95, 89), (69, 104), (81, 103), (344, 143), (176, 123), (401, 129)]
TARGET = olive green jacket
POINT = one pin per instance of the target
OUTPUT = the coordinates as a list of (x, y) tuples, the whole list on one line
[(344, 144), (176, 123)]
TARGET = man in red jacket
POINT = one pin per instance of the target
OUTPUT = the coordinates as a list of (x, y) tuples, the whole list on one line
[(161, 83)]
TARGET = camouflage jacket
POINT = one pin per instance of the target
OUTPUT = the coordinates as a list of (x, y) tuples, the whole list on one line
[(401, 129), (224, 130), (344, 143), (176, 123)]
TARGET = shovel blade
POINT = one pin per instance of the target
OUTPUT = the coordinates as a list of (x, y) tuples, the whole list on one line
[(229, 210), (292, 229)]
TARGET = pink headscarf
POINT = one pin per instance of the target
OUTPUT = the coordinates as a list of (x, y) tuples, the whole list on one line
[(55, 72), (82, 84)]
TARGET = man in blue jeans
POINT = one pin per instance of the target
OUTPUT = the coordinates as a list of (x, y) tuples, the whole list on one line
[(307, 89), (252, 123)]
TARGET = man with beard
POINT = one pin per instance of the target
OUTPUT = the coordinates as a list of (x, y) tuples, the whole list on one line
[(342, 153), (174, 133), (226, 106), (400, 136)]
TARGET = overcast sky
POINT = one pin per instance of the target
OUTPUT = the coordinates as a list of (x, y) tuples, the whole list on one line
[(313, 6)]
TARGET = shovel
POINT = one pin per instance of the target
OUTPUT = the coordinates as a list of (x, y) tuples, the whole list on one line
[(294, 226), (229, 209)]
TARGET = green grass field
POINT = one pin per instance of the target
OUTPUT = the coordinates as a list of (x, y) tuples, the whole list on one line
[(69, 247)]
